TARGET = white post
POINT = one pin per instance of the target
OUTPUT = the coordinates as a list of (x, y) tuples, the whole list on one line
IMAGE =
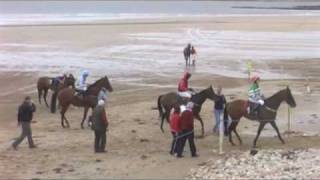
[(221, 134)]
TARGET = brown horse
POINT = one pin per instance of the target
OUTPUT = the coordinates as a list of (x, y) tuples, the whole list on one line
[(266, 114), (45, 83), (169, 100), (68, 96)]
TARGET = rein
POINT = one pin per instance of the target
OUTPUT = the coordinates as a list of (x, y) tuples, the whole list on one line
[(270, 109)]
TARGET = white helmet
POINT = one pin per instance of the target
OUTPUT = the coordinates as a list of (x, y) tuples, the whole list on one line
[(85, 73)]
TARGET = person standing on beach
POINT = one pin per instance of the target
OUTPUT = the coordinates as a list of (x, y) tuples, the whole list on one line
[(186, 53), (218, 109), (103, 95), (186, 133), (25, 115), (193, 55), (174, 125), (100, 125)]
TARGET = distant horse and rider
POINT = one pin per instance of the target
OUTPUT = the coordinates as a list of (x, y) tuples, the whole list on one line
[(168, 101), (185, 94), (86, 99), (264, 114), (55, 84)]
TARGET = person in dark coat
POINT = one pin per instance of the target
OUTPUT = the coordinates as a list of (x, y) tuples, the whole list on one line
[(218, 110), (186, 127), (99, 125), (25, 115)]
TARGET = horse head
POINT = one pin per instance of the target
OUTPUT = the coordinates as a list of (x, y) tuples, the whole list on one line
[(70, 80), (211, 94), (106, 84), (289, 98)]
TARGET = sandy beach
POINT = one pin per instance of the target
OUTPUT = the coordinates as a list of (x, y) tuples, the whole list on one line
[(136, 146)]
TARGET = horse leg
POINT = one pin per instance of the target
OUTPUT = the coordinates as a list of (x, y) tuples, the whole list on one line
[(231, 127), (202, 125), (84, 116), (45, 97), (235, 131), (168, 116), (275, 127), (163, 116), (63, 117), (62, 113), (39, 95), (261, 126)]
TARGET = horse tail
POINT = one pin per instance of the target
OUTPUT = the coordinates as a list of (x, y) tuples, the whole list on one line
[(53, 102), (160, 106), (225, 113)]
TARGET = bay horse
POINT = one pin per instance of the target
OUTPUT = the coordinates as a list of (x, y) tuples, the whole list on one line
[(45, 83), (266, 113), (68, 96), (167, 101)]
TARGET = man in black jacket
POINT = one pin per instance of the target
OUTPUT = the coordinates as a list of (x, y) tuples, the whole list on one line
[(25, 114)]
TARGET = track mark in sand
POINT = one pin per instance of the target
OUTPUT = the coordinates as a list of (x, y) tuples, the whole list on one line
[(22, 89), (143, 157), (57, 170), (144, 140)]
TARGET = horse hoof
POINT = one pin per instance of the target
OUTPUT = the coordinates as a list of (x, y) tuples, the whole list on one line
[(253, 152)]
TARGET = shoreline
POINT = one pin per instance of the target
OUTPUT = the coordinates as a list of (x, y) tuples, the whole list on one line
[(168, 19)]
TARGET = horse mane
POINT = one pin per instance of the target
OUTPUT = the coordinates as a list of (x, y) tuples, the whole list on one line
[(275, 94), (95, 83)]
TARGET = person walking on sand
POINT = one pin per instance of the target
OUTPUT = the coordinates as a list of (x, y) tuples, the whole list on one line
[(193, 55), (186, 53), (174, 125), (218, 109), (186, 127), (99, 125), (25, 115)]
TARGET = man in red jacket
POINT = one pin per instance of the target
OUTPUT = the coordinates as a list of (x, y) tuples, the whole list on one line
[(174, 124), (186, 127), (183, 87)]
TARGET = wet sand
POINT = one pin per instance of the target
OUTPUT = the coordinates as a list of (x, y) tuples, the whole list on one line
[(136, 146)]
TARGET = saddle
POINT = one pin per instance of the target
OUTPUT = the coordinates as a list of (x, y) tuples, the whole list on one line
[(252, 108)]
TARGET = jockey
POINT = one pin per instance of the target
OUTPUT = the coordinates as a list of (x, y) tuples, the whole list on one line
[(81, 84), (255, 96), (183, 87)]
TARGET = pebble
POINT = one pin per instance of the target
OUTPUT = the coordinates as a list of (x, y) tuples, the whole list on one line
[(266, 164)]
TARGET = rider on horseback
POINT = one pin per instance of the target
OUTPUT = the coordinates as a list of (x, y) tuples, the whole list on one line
[(255, 96), (183, 87), (81, 84), (58, 80)]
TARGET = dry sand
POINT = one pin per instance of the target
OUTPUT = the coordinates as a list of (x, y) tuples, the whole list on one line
[(136, 147)]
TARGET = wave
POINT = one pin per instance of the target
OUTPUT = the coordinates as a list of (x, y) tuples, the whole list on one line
[(52, 19)]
